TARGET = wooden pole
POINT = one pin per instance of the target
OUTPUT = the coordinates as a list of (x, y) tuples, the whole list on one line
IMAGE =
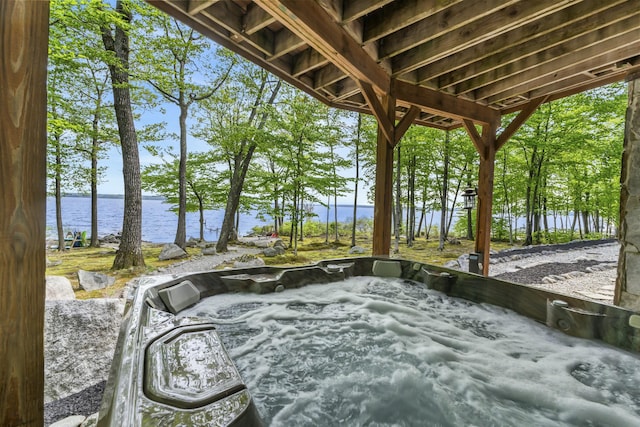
[(485, 193), (384, 183), (23, 143)]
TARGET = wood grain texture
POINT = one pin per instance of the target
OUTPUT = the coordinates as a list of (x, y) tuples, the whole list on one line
[(384, 182), (23, 62)]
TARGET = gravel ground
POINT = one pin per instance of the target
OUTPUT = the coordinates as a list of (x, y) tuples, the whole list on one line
[(580, 269), (85, 402), (576, 269), (208, 262)]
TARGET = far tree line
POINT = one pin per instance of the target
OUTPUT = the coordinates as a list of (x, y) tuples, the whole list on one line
[(271, 148)]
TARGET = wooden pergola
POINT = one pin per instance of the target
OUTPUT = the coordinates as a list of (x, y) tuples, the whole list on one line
[(440, 63)]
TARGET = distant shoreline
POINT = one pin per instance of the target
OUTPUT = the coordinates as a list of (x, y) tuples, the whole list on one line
[(110, 196), (151, 197)]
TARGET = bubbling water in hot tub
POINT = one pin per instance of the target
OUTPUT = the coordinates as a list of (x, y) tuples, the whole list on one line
[(387, 352)]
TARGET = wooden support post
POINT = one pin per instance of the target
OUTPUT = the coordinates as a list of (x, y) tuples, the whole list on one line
[(389, 134), (384, 179), (485, 195), (383, 194), (486, 146), (23, 142), (627, 291)]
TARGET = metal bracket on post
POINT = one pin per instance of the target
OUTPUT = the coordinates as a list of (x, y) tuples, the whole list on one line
[(474, 262)]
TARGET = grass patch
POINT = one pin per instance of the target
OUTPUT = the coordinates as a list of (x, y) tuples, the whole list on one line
[(310, 251), (100, 260)]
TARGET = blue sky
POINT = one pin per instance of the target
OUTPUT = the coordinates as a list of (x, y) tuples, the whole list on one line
[(113, 182)]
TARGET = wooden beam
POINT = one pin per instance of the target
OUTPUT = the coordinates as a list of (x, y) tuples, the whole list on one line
[(256, 19), (327, 75), (386, 21), (284, 43), (197, 6), (549, 69), (313, 25), (445, 21), (380, 112), (24, 29), (404, 123), (476, 138), (580, 15), (485, 196), (474, 32), (444, 104), (607, 39), (383, 185), (354, 9), (577, 35), (307, 61), (562, 88), (229, 16), (216, 32), (519, 120)]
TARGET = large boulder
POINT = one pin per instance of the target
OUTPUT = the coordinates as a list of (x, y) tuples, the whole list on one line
[(262, 243), (72, 421), (357, 250), (280, 244), (210, 250), (80, 338), (59, 288), (270, 252), (171, 251), (90, 281)]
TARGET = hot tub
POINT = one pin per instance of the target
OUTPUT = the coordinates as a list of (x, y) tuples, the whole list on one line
[(171, 365)]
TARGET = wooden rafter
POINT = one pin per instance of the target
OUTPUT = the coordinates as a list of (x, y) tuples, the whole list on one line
[(312, 24), (479, 29), (440, 103), (488, 54), (256, 19), (584, 15), (475, 137), (614, 38), (382, 23), (519, 120), (196, 6), (307, 61), (620, 48), (406, 121), (385, 124), (355, 9), (565, 37)]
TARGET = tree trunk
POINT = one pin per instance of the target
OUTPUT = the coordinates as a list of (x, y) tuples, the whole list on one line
[(181, 230), (357, 179), (326, 238), (411, 223), (335, 213), (201, 210), (398, 210), (129, 253), (443, 195), (95, 145), (242, 162), (58, 195)]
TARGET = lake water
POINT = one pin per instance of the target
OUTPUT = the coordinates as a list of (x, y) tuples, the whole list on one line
[(159, 222)]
